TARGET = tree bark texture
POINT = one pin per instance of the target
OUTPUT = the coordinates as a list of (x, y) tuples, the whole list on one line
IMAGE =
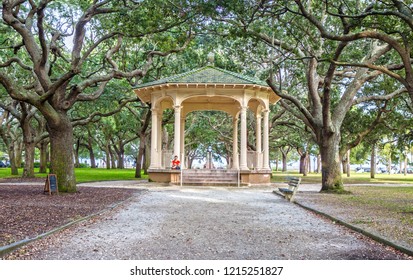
[(373, 162), (107, 156), (284, 160), (11, 151), (28, 169), (76, 151), (43, 156), (61, 149), (405, 164), (330, 163), (304, 163), (12, 157), (91, 152), (112, 159), (146, 160), (348, 164), (92, 157), (140, 156), (284, 154)]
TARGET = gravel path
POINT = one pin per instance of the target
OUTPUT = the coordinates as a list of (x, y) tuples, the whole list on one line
[(212, 223)]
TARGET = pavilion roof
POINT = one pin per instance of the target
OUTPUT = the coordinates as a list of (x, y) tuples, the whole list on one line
[(206, 75)]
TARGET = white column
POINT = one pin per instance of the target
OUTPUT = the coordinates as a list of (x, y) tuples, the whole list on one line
[(159, 139), (243, 148), (182, 145), (258, 158), (235, 158), (154, 141), (177, 132), (266, 147)]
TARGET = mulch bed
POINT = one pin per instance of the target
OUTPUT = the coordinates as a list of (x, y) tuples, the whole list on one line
[(27, 212)]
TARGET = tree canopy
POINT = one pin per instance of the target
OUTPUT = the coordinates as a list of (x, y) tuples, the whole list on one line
[(67, 68)]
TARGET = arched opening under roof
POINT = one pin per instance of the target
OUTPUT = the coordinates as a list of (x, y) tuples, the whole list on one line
[(208, 140)]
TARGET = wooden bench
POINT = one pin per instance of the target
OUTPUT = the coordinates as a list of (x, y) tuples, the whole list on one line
[(289, 193)]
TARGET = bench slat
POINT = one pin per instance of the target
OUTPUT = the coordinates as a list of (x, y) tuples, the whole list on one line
[(293, 183), (284, 190)]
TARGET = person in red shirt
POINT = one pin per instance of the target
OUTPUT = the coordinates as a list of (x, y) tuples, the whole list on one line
[(176, 164)]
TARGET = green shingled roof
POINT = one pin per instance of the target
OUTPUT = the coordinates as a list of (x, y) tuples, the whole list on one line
[(206, 75)]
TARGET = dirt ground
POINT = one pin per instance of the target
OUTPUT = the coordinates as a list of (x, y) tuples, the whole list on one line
[(175, 223), (27, 212)]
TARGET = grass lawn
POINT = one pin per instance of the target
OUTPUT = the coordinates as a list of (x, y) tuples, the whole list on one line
[(86, 174), (355, 178), (385, 211)]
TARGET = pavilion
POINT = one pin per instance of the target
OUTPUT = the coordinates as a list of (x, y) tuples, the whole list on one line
[(210, 88)]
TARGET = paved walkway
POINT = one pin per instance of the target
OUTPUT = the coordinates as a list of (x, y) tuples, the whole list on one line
[(211, 223)]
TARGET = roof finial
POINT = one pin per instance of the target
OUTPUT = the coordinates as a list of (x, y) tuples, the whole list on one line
[(211, 58)]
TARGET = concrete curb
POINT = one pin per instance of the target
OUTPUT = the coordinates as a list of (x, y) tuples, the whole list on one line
[(4, 250), (375, 237)]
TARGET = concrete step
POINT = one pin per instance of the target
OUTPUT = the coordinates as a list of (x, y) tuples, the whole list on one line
[(214, 184), (210, 177)]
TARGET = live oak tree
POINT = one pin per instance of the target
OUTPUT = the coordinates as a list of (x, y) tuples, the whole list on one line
[(33, 130), (307, 73), (389, 22), (11, 137), (59, 74)]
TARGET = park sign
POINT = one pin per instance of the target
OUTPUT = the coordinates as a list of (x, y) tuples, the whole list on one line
[(50, 186)]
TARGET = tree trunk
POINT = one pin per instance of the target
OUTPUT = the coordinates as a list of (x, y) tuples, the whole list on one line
[(92, 158), (389, 164), (303, 163), (107, 155), (91, 153), (348, 163), (373, 162), (29, 146), (28, 170), (18, 150), (146, 160), (306, 160), (43, 156), (121, 159), (318, 164), (140, 157), (344, 164), (284, 158), (331, 165), (61, 149), (112, 158), (191, 160), (284, 161), (12, 157), (405, 164), (76, 150)]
